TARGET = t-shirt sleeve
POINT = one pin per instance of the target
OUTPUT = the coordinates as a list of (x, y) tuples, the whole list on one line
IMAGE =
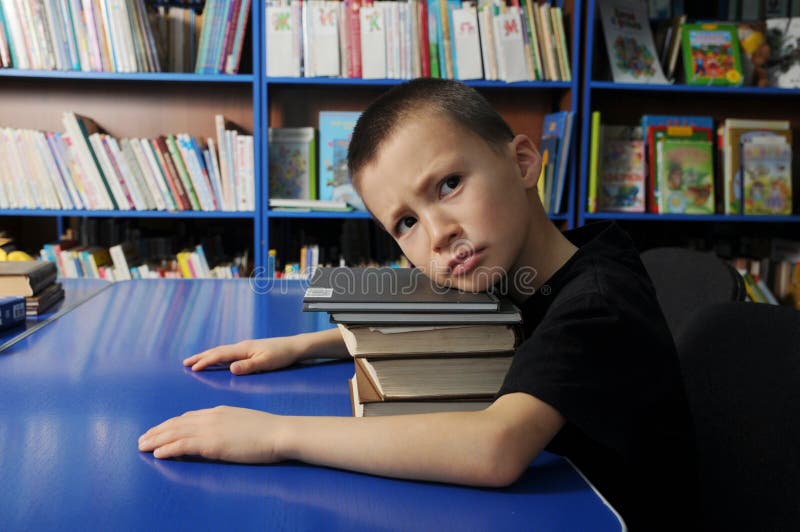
[(576, 361)]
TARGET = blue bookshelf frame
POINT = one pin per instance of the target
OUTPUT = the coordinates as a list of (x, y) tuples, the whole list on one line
[(339, 83), (592, 23)]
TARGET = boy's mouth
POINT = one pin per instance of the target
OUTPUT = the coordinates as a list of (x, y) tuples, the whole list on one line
[(465, 262)]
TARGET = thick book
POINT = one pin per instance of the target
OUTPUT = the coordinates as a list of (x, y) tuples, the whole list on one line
[(394, 408), (389, 289), (44, 300), (507, 314), (412, 379), (402, 341), (25, 278), (12, 311)]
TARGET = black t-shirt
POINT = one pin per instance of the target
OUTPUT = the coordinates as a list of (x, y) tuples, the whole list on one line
[(597, 349)]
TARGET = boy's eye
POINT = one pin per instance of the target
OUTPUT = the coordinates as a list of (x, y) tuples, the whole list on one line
[(405, 224), (450, 183)]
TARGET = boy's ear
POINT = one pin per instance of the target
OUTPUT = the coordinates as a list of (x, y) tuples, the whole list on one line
[(528, 160)]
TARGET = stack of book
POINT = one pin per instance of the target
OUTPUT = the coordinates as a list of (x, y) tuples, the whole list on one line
[(33, 280), (418, 347)]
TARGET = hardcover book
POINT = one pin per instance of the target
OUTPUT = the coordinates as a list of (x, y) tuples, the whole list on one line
[(12, 311), (711, 54), (26, 278), (393, 408), (685, 176), (507, 314), (767, 168), (388, 289), (629, 42), (335, 130), (621, 174), (292, 163)]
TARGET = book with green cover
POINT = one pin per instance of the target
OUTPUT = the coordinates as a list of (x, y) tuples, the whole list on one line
[(711, 54), (685, 176), (593, 158), (183, 174)]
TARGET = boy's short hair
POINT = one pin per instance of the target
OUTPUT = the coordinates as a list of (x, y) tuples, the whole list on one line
[(462, 104)]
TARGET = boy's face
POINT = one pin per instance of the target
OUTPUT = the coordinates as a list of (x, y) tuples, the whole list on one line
[(459, 209)]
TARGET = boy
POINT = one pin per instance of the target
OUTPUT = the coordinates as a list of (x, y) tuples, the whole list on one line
[(596, 379)]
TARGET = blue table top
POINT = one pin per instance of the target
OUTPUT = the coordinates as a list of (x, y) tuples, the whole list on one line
[(75, 396), (76, 291)]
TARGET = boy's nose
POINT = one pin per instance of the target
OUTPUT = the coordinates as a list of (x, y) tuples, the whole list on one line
[(443, 234)]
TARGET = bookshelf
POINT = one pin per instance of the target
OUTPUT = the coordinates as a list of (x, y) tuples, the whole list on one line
[(297, 101), (716, 101), (143, 105)]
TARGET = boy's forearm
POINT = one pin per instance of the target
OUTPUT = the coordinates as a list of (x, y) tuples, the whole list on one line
[(328, 344), (453, 447)]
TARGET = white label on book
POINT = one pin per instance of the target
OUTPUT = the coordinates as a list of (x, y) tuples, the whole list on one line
[(281, 57), (319, 292), (468, 46), (373, 43)]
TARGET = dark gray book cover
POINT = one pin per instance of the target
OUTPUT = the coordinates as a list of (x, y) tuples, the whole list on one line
[(507, 314), (388, 290)]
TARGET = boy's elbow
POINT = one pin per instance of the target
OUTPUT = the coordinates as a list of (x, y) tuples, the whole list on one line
[(505, 463)]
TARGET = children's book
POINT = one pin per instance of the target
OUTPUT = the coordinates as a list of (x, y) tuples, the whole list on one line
[(283, 52), (629, 42), (621, 174), (711, 54), (783, 36), (594, 162), (292, 163), (652, 121), (767, 169), (335, 130), (685, 176)]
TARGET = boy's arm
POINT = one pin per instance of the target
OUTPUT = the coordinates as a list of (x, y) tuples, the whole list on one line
[(487, 448), (267, 354)]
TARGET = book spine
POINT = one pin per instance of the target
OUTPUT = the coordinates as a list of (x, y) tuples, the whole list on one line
[(183, 174), (165, 158)]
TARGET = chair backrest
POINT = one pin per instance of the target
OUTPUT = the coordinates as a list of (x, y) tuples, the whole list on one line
[(686, 279), (741, 369)]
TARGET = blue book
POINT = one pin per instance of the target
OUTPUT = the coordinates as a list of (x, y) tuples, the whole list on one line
[(12, 311), (335, 130), (559, 125)]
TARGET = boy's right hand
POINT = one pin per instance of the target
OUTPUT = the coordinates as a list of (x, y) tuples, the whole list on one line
[(248, 356)]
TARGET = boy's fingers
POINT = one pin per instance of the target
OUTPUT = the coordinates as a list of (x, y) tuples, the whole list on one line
[(226, 353), (242, 367)]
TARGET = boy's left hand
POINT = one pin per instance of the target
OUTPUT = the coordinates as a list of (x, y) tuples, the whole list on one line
[(221, 433)]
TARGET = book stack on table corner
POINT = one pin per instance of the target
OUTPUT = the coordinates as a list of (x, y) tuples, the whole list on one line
[(31, 281), (417, 347)]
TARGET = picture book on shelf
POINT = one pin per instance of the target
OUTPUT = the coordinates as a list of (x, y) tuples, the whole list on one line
[(335, 130), (292, 163), (711, 54), (621, 173), (629, 42), (685, 176), (558, 126), (783, 36), (659, 123), (767, 169)]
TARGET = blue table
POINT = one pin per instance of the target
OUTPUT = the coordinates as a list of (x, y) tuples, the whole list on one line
[(75, 395), (76, 291)]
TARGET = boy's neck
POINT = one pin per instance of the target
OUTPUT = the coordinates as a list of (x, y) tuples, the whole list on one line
[(545, 252)]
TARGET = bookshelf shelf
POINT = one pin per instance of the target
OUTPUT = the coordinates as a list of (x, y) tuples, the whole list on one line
[(360, 215), (717, 102), (690, 217), (166, 77), (128, 214), (692, 89), (551, 85)]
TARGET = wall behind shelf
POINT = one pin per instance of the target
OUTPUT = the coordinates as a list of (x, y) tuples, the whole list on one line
[(123, 108)]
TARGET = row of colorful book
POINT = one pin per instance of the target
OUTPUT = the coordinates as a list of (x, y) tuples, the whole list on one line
[(302, 177), (774, 278), (87, 169), (667, 165), (122, 262), (419, 38), (713, 52), (309, 261), (416, 347), (88, 35), (122, 36), (31, 288)]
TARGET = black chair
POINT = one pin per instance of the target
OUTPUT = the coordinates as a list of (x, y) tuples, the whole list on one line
[(741, 368), (686, 279)]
